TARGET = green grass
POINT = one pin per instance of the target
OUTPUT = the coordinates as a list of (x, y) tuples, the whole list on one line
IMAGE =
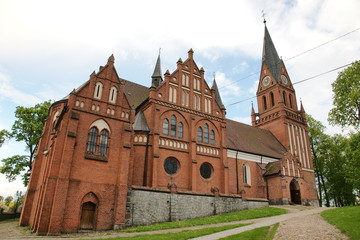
[(227, 217), (179, 235), (347, 219), (263, 233)]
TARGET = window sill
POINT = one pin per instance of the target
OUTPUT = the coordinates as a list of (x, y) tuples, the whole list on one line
[(247, 185), (96, 157)]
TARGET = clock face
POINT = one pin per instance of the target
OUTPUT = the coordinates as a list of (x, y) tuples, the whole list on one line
[(266, 80), (284, 79)]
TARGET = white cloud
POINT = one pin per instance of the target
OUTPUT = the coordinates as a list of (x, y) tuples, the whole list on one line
[(7, 90)]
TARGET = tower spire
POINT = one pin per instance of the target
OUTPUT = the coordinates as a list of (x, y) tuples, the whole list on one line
[(217, 94), (157, 75), (270, 56)]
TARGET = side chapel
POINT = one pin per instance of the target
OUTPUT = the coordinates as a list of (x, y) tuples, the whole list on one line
[(114, 153)]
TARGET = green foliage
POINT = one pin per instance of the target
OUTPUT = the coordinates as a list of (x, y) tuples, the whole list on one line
[(346, 97), (221, 218), (8, 200), (336, 162), (272, 232), (4, 135), (182, 235), (347, 219), (255, 234), (28, 128)]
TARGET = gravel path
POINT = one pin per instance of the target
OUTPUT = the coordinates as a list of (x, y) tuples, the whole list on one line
[(303, 223), (312, 227)]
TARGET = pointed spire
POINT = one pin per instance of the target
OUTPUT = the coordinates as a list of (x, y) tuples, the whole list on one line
[(252, 109), (157, 75), (111, 58), (270, 56), (217, 94)]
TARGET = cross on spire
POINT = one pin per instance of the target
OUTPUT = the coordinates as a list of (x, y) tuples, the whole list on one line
[(263, 15)]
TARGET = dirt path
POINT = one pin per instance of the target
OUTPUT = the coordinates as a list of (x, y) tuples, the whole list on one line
[(301, 223)]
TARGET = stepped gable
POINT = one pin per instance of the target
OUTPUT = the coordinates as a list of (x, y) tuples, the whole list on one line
[(250, 139)]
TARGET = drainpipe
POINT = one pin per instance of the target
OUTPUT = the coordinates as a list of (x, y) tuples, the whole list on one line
[(146, 160), (237, 174)]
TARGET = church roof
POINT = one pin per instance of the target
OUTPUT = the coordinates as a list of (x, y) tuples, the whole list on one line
[(217, 95), (157, 70), (250, 139), (140, 123), (135, 93), (270, 56)]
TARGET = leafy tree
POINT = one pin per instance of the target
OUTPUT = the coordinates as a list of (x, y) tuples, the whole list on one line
[(27, 127), (346, 99), (318, 140), (4, 135), (8, 200), (352, 153)]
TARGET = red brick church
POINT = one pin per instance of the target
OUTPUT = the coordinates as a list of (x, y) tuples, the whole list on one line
[(114, 153)]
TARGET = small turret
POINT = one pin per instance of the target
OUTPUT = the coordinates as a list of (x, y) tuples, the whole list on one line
[(157, 75)]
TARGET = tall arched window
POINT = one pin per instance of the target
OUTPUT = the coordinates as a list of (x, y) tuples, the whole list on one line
[(212, 137), (272, 99), (200, 134), (290, 101), (166, 126), (206, 133), (180, 130), (284, 96), (264, 102), (173, 126), (91, 145), (104, 136), (246, 174), (112, 95), (98, 90)]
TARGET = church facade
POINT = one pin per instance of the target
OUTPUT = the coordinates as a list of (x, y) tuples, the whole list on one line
[(114, 153)]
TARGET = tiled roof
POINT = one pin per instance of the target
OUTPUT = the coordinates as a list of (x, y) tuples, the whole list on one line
[(135, 93), (272, 168), (140, 123), (250, 139), (270, 56)]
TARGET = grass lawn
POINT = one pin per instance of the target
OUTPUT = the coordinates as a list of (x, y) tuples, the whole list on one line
[(179, 235), (263, 233), (347, 219), (221, 218)]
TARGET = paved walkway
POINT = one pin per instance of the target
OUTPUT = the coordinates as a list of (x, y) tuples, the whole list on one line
[(293, 226)]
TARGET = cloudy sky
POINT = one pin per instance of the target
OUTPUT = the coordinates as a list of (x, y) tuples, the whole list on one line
[(47, 48)]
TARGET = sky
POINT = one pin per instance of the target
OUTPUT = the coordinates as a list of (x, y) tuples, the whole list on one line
[(48, 48)]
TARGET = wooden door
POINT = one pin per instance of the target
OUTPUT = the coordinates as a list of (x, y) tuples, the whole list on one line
[(87, 216), (295, 192)]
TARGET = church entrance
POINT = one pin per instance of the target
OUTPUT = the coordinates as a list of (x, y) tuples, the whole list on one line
[(87, 216), (295, 192)]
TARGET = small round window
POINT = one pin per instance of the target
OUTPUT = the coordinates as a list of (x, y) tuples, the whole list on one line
[(171, 165), (206, 170)]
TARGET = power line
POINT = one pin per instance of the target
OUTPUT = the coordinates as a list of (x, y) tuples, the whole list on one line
[(301, 81), (311, 49)]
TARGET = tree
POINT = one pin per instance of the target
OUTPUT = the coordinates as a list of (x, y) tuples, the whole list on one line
[(28, 128), (346, 99), (352, 152), (8, 200), (1, 198), (4, 135), (318, 140)]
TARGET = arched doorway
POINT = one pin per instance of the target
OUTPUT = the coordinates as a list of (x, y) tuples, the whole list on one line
[(295, 192), (87, 216)]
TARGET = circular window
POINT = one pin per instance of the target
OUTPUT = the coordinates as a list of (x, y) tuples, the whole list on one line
[(171, 165), (206, 170)]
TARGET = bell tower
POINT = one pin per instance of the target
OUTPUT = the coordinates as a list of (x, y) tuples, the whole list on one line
[(277, 105)]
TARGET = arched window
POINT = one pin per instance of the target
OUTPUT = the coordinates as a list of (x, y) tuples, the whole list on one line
[(200, 134), (264, 102), (206, 133), (166, 126), (284, 96), (180, 130), (112, 95), (98, 90), (290, 101), (246, 174), (91, 145), (212, 137), (272, 99), (104, 136), (173, 126)]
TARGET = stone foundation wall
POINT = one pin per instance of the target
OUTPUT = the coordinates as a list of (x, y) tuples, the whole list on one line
[(148, 206)]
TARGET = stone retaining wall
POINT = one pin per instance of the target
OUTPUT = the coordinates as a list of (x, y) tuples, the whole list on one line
[(148, 206)]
